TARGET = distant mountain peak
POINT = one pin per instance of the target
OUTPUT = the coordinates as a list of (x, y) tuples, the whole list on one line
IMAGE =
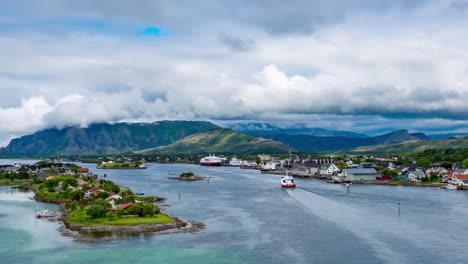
[(261, 128), (103, 138)]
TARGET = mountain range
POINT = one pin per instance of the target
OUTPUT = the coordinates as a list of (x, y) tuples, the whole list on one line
[(408, 146), (258, 128), (310, 143), (197, 137), (222, 141), (103, 138)]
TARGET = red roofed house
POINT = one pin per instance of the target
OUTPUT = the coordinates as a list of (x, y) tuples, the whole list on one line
[(93, 192), (123, 206), (82, 170), (459, 179)]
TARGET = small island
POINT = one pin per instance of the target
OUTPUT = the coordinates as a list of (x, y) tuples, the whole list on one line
[(188, 176), (121, 165), (95, 207)]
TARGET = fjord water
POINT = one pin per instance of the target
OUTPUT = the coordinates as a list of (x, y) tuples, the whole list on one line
[(250, 219)]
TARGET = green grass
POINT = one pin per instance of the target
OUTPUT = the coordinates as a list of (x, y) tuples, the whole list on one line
[(117, 165), (80, 217), (8, 182), (52, 197)]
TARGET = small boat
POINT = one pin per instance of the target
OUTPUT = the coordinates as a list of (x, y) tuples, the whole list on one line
[(287, 181), (45, 213), (451, 186), (142, 165)]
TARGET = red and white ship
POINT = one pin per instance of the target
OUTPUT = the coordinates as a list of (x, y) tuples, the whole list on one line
[(287, 181), (211, 160)]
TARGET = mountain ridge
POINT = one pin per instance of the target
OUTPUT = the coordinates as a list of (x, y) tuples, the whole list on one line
[(221, 140), (254, 128), (408, 146), (103, 138), (323, 144)]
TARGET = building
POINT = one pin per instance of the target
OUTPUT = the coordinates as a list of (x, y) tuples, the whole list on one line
[(329, 169), (271, 166), (363, 174), (305, 170), (416, 175), (459, 179)]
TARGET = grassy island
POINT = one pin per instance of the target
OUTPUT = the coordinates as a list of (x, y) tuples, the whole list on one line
[(88, 202), (94, 206), (188, 176), (120, 165)]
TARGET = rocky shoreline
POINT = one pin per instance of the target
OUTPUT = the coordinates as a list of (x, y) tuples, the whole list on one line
[(191, 178), (96, 233)]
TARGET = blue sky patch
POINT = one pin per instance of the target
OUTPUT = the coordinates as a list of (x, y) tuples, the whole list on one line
[(151, 31)]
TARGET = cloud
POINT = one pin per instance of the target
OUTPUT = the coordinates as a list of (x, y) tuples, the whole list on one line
[(367, 66)]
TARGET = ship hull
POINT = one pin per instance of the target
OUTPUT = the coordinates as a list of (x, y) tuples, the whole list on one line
[(210, 163), (288, 186)]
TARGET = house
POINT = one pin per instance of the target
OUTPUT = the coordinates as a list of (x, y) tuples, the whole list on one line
[(329, 169), (8, 168), (459, 179), (305, 170), (122, 206), (361, 174), (113, 198), (323, 160), (271, 166), (416, 175), (384, 178), (82, 170), (93, 192)]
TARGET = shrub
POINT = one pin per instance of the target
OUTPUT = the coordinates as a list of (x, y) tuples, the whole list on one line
[(186, 174), (102, 202), (148, 209), (37, 181), (76, 195), (96, 211), (71, 206), (110, 214), (119, 212), (103, 195), (129, 199), (135, 209)]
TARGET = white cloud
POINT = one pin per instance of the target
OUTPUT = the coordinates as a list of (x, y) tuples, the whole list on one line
[(358, 69)]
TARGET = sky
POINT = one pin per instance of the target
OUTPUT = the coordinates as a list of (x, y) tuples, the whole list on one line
[(368, 66)]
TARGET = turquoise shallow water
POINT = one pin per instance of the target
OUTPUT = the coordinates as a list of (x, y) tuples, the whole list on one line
[(250, 219)]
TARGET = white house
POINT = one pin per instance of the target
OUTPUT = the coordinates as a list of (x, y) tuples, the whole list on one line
[(459, 179), (415, 175), (304, 170), (329, 169), (271, 165)]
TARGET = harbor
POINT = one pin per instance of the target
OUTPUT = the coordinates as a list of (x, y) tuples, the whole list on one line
[(244, 223)]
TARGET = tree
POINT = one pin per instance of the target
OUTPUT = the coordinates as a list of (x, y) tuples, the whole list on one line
[(423, 162), (76, 195), (119, 212), (465, 163), (96, 211), (129, 199), (135, 209), (110, 214), (103, 195), (148, 209)]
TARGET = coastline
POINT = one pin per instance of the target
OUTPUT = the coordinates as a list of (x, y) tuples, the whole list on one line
[(96, 233)]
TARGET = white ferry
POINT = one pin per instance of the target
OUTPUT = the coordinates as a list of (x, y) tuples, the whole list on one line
[(287, 181), (211, 160)]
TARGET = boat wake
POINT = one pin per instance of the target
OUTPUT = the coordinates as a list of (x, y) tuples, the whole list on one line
[(371, 228)]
